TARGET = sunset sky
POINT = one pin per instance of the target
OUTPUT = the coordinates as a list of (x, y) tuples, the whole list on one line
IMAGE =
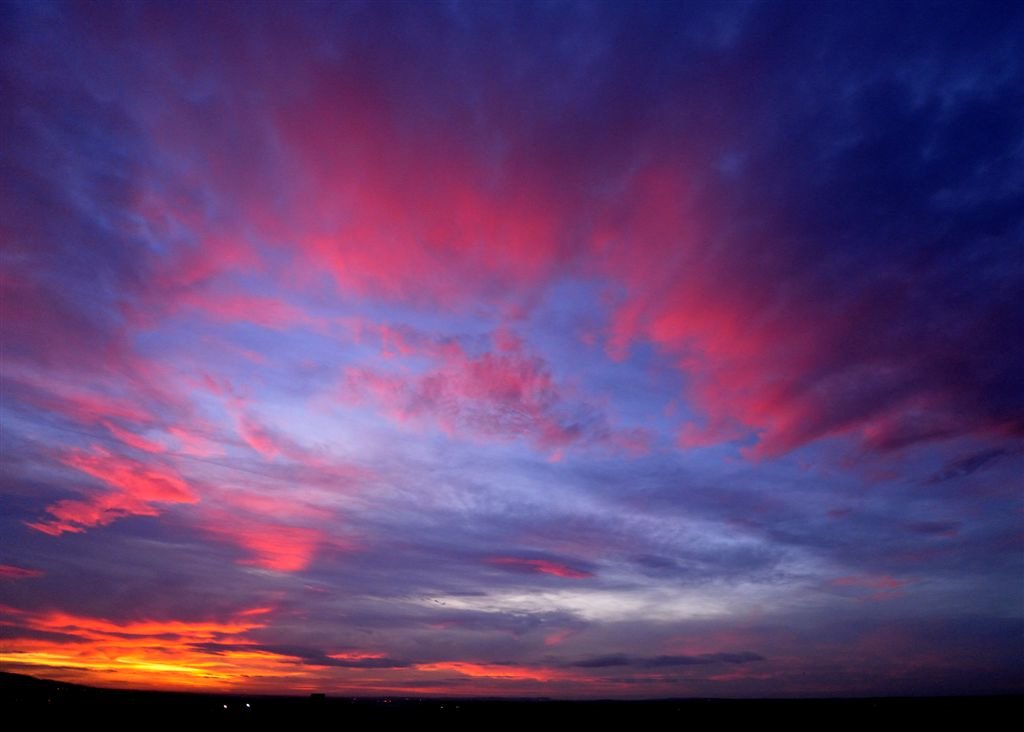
[(511, 348)]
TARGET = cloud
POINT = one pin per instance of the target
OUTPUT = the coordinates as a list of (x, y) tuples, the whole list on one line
[(11, 572), (130, 488), (621, 659), (877, 588), (969, 464), (618, 659), (363, 659), (275, 532), (501, 393), (134, 440), (736, 658), (715, 304), (461, 202), (140, 653), (494, 670), (268, 544), (539, 566)]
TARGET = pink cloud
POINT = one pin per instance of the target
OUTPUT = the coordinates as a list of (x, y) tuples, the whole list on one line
[(82, 403), (134, 440), (273, 546), (873, 587), (258, 437), (268, 544), (505, 393), (275, 531), (237, 307), (412, 222), (540, 566), (194, 444), (130, 488), (558, 637), (11, 572)]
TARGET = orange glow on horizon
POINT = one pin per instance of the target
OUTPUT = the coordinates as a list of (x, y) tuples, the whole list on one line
[(158, 654), (214, 655)]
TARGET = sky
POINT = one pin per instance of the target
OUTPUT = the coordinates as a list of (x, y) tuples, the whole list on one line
[(583, 350)]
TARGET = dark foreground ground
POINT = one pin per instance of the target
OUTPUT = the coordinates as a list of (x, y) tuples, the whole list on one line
[(42, 701)]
